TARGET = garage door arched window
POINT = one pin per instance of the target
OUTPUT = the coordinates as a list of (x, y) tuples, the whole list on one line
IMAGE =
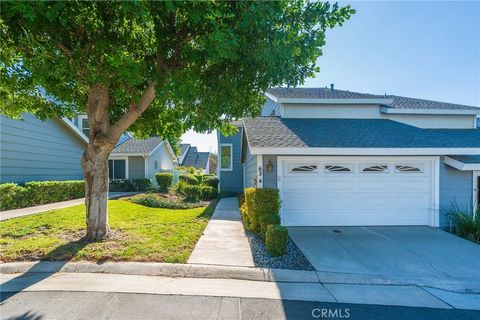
[(309, 168), (374, 168), (338, 168), (408, 168)]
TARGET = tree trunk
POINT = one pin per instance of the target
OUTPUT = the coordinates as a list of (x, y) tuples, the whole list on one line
[(95, 163)]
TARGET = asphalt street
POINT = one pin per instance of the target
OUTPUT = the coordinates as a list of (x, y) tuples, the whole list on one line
[(100, 305)]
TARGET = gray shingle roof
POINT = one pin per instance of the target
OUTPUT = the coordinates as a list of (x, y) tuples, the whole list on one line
[(398, 101), (273, 132), (183, 148), (134, 146), (196, 159), (469, 159)]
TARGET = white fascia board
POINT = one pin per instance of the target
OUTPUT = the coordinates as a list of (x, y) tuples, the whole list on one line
[(271, 97), (365, 151), (334, 101), (429, 111), (170, 150), (128, 155), (74, 128), (460, 165)]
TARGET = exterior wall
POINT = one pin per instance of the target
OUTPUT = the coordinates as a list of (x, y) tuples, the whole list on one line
[(164, 162), (231, 182), (250, 169), (433, 121), (136, 167), (270, 178), (33, 150), (270, 108), (456, 187)]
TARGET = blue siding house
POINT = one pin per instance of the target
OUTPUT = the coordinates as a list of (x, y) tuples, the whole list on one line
[(342, 158)]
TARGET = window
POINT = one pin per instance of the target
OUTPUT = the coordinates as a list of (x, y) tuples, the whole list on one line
[(409, 168), (84, 125), (374, 168), (304, 168), (337, 168), (226, 157), (117, 169)]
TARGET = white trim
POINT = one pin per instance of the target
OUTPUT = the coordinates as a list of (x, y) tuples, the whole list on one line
[(434, 218), (365, 151), (129, 154), (146, 169), (271, 97), (428, 111), (475, 188), (260, 172), (81, 117), (74, 128), (460, 165), (169, 149), (231, 156), (126, 165), (331, 101)]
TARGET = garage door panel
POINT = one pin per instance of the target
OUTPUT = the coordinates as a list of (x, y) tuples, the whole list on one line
[(357, 198)]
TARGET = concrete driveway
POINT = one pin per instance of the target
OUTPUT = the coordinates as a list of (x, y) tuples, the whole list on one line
[(389, 251)]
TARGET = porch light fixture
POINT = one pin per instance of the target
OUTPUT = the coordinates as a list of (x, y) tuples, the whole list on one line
[(269, 166)]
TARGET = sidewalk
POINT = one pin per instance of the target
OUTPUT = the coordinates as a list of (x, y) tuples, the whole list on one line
[(224, 242), (9, 214)]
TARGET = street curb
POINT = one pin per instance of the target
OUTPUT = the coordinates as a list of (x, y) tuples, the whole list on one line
[(470, 286)]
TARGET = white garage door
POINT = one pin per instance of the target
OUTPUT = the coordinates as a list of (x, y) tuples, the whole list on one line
[(344, 192)]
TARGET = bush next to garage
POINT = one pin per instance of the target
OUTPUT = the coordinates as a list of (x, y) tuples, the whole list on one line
[(164, 180), (276, 240), (266, 220), (129, 185), (260, 202), (13, 196)]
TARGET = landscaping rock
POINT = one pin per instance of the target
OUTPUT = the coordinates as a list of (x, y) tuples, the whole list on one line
[(293, 259)]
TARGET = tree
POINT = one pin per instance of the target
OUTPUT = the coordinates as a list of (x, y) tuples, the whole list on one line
[(154, 68), (213, 161)]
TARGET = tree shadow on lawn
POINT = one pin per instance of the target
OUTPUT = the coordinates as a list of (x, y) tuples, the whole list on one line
[(42, 269)]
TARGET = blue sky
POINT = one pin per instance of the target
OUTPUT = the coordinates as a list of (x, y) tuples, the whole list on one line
[(427, 50)]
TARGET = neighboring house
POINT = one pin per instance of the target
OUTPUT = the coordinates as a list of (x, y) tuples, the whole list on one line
[(35, 150), (139, 159), (340, 158), (191, 157)]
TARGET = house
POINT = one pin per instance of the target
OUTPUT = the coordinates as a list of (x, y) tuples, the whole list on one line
[(341, 158), (139, 159), (191, 157), (35, 150)]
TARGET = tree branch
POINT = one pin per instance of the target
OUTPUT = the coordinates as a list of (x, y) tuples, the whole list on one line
[(134, 112)]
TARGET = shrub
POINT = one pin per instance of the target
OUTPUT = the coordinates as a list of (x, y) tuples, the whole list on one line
[(12, 196), (467, 223), (266, 220), (188, 178), (199, 177), (190, 170), (208, 193), (276, 240), (164, 181), (191, 192), (260, 202), (33, 193), (210, 181), (155, 201), (126, 185), (43, 192)]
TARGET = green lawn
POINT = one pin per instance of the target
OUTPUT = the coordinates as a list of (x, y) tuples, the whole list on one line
[(139, 234)]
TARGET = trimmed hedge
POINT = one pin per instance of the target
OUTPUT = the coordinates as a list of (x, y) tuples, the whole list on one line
[(34, 193), (190, 170), (155, 201), (164, 180), (125, 185), (265, 221), (191, 192), (210, 181), (276, 240), (188, 178), (208, 193), (260, 202)]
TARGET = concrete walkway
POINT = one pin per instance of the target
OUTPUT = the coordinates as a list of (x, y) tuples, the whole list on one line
[(9, 214), (224, 242)]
